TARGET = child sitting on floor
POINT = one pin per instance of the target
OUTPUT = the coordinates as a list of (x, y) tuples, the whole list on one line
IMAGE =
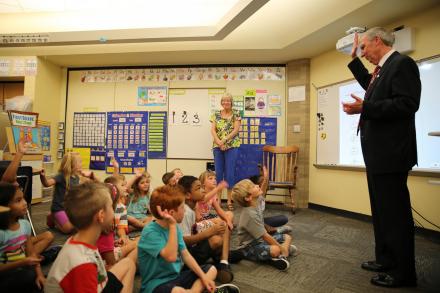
[(255, 243), (170, 178), (20, 258), (162, 250), (211, 242), (121, 216), (69, 174), (79, 267), (139, 200), (209, 207), (112, 250), (273, 224)]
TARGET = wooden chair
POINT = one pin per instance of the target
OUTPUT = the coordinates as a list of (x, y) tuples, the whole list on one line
[(281, 163)]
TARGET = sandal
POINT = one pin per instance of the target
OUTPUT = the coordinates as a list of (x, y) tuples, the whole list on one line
[(230, 206)]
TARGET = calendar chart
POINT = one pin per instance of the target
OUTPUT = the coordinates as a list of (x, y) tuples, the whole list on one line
[(127, 141), (89, 129)]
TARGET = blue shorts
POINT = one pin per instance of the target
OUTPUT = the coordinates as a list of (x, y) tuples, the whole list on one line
[(185, 280), (259, 250)]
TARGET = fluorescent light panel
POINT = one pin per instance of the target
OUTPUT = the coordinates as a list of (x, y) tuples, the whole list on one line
[(116, 14)]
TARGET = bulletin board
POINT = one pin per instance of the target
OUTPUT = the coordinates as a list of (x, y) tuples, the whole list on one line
[(127, 141), (255, 132), (186, 143)]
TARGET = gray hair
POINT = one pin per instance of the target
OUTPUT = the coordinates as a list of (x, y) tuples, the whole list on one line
[(227, 96), (385, 35)]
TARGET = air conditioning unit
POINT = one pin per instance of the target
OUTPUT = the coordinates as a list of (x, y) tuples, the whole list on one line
[(404, 40)]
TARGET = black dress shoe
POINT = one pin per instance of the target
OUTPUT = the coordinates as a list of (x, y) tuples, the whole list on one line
[(373, 266), (385, 280)]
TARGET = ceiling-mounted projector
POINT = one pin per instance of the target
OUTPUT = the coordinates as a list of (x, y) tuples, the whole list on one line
[(345, 44), (404, 40)]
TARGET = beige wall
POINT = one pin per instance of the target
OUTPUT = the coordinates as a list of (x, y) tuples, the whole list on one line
[(347, 190), (298, 113), (47, 98)]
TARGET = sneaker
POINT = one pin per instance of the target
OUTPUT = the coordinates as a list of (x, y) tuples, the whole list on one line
[(227, 288), (50, 254), (235, 256), (50, 221), (284, 230), (280, 263), (224, 273), (293, 250)]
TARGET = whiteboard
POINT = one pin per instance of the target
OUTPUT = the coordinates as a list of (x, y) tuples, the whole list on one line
[(337, 142), (189, 128)]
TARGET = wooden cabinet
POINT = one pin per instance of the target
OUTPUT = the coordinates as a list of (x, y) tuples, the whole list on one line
[(10, 89)]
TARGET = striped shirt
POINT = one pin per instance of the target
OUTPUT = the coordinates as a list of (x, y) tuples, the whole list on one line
[(13, 243)]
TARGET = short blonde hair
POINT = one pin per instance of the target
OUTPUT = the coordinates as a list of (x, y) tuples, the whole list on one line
[(205, 175), (227, 96), (83, 201), (241, 190)]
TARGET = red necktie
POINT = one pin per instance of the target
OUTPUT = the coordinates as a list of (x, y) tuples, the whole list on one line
[(373, 77)]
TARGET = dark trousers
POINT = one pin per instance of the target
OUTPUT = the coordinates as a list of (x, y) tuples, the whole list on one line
[(393, 223), (276, 221)]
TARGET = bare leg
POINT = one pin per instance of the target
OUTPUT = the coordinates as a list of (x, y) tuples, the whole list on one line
[(124, 270), (130, 250), (275, 251), (225, 246), (137, 224), (42, 241), (133, 256), (67, 228), (285, 245), (198, 287)]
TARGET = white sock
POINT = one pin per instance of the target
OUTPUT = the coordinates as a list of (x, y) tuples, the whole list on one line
[(224, 261)]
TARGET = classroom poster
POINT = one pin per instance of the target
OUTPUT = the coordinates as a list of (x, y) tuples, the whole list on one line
[(30, 136), (238, 104), (45, 137), (23, 119), (152, 96), (261, 103), (157, 134), (274, 105), (88, 129), (127, 141), (168, 74), (215, 97), (97, 159)]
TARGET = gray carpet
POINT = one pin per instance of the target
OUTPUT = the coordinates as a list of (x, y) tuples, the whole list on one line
[(331, 250)]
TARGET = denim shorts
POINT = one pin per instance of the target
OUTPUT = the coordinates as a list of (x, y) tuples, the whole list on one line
[(259, 250)]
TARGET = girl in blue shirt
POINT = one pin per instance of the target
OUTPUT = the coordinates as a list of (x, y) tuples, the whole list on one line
[(138, 206)]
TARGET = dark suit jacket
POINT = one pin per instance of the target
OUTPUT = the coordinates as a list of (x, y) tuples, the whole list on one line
[(388, 131)]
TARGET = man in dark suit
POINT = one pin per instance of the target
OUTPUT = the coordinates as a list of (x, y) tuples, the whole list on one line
[(388, 140)]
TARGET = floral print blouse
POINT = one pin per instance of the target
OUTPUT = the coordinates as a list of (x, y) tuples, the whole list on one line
[(225, 126)]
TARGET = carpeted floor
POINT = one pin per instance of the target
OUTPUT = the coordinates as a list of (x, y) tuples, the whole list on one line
[(331, 250)]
